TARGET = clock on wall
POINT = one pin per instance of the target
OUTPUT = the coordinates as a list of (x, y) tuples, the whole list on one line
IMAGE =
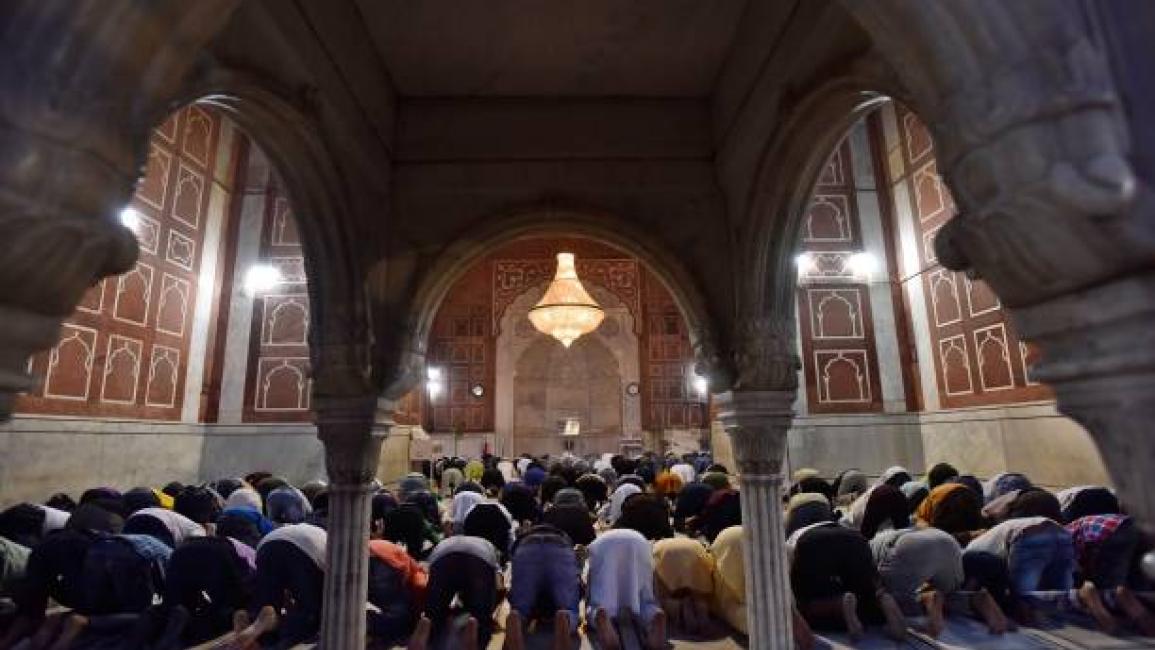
[(632, 389), (477, 390)]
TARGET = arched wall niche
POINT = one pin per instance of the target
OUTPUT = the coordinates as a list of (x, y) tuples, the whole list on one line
[(519, 345), (460, 256), (1038, 165), (478, 324), (339, 328)]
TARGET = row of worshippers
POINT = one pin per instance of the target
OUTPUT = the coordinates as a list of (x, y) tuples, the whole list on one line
[(1005, 551), (242, 562), (654, 551)]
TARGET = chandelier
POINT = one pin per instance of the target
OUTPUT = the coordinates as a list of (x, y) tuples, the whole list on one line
[(566, 311)]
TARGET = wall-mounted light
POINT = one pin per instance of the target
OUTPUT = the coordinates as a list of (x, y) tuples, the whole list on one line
[(862, 265), (434, 384), (806, 264), (261, 278), (130, 218), (701, 385)]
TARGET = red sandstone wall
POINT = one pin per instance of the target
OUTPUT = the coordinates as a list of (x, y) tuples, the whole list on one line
[(978, 358), (278, 386), (464, 336), (124, 352), (835, 324)]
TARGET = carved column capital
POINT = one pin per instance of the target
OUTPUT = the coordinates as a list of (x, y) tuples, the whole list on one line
[(765, 357), (352, 430), (757, 423), (1030, 135), (84, 82)]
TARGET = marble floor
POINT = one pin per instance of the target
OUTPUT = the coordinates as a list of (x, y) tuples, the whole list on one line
[(961, 634)]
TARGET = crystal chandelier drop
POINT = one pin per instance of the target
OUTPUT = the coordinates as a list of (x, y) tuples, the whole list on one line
[(566, 311)]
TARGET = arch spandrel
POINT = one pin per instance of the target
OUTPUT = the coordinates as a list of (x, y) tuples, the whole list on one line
[(437, 277)]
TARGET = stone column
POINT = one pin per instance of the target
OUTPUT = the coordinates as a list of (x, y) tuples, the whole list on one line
[(757, 422), (352, 432), (1051, 167)]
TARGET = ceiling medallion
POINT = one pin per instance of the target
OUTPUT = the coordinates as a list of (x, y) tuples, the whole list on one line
[(566, 311)]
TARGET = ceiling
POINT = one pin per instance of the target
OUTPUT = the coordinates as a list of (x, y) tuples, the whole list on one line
[(562, 48)]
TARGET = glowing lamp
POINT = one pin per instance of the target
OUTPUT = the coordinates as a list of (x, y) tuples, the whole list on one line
[(261, 278), (130, 218), (862, 265)]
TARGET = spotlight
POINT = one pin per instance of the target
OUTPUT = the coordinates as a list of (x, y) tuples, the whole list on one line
[(433, 383), (862, 265), (806, 264), (701, 384), (261, 278), (130, 218)]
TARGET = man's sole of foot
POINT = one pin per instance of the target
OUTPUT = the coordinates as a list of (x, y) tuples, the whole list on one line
[(803, 635), (419, 640), (850, 617), (562, 631), (178, 618), (934, 605), (1139, 615), (73, 626), (989, 610), (895, 621), (606, 635), (656, 632), (469, 634), (514, 632), (1090, 598)]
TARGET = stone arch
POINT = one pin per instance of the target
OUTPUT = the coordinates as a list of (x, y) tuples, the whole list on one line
[(1031, 135), (338, 332), (454, 261), (1032, 142)]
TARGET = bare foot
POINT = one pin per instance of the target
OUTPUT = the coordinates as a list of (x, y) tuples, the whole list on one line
[(606, 634), (850, 616), (419, 640), (265, 622), (174, 625), (984, 603), (1139, 615), (514, 632), (803, 635), (690, 620), (656, 632), (562, 630), (241, 620), (933, 604), (702, 613), (469, 634), (895, 621), (73, 626), (1090, 599), (49, 629)]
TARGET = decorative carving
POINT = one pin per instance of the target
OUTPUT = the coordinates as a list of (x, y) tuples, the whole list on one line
[(512, 277), (75, 138), (1029, 134), (353, 429), (766, 358), (757, 422)]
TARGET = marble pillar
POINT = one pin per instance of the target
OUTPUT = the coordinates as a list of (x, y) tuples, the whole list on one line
[(1052, 172), (1099, 357), (757, 422), (352, 431)]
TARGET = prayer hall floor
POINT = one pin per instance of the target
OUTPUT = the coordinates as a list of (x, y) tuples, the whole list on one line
[(960, 634)]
